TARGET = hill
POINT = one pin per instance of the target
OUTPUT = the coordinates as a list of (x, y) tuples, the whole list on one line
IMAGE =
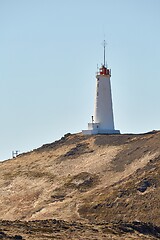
[(89, 179)]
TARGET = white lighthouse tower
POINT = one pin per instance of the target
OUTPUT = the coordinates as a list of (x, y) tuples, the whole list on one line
[(102, 121)]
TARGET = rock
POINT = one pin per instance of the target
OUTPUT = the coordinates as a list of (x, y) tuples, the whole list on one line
[(143, 186), (17, 237)]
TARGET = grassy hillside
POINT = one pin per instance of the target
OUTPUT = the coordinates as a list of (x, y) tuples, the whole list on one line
[(100, 178)]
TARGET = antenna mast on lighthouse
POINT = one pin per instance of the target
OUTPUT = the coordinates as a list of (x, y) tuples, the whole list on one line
[(104, 46)]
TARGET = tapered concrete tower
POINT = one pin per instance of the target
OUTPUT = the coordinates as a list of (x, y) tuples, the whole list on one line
[(102, 121)]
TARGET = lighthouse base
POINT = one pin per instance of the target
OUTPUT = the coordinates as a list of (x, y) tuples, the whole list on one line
[(94, 128), (100, 131)]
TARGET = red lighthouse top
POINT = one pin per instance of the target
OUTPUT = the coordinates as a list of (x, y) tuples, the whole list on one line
[(104, 71)]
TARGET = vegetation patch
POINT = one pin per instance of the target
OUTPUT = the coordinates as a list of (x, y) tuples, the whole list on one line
[(82, 182), (40, 174), (78, 150)]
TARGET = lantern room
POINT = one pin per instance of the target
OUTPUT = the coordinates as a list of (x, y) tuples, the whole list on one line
[(104, 71)]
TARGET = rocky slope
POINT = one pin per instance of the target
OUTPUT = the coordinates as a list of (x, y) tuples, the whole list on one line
[(101, 178), (62, 230)]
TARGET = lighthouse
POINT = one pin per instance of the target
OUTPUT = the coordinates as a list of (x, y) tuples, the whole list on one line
[(102, 120)]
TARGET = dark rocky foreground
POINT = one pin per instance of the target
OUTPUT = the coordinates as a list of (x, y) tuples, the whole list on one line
[(58, 229)]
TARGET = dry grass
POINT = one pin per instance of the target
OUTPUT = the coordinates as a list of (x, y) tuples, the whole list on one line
[(85, 178)]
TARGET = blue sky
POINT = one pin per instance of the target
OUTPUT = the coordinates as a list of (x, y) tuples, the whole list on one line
[(49, 51)]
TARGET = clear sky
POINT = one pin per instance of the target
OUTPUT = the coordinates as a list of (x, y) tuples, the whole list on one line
[(49, 51)]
